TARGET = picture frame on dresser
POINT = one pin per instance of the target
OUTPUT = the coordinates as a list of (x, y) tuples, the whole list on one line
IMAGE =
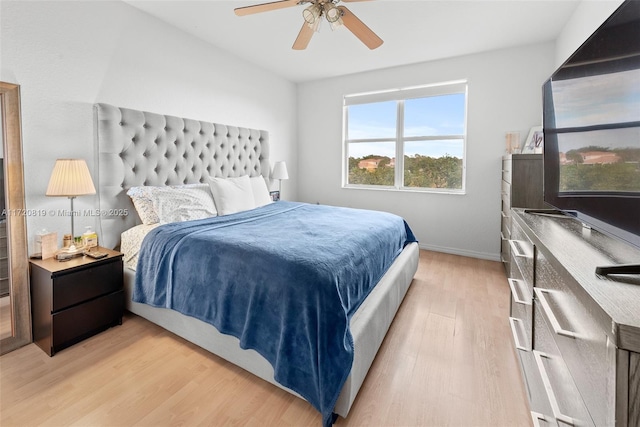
[(534, 141)]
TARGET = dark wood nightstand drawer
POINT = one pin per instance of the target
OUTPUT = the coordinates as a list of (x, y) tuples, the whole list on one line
[(83, 285), (74, 324)]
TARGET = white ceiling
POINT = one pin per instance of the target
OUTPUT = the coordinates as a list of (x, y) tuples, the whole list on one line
[(413, 31)]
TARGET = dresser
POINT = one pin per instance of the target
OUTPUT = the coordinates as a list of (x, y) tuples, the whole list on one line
[(521, 188), (576, 334), (75, 299)]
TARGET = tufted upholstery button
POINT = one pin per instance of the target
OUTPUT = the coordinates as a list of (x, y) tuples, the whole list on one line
[(145, 126), (145, 154), (121, 123)]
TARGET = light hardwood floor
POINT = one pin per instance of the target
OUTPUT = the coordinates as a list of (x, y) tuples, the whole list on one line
[(446, 361)]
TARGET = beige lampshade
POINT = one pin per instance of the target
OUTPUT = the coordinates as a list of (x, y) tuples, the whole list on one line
[(70, 178), (279, 171)]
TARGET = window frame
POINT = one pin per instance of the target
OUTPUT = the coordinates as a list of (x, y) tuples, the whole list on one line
[(400, 96)]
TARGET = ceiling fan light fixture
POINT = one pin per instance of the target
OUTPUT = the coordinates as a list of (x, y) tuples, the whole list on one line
[(332, 13), (312, 13)]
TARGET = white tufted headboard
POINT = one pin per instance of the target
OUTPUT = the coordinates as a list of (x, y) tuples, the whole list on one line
[(138, 148)]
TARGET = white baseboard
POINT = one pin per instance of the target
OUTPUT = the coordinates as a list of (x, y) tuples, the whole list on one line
[(461, 252)]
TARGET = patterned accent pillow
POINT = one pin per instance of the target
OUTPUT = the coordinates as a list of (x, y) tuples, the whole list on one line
[(184, 203), (154, 204), (142, 198)]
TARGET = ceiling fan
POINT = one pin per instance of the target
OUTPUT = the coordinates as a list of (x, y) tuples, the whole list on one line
[(335, 15)]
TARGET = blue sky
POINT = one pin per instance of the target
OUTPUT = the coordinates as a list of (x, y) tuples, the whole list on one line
[(432, 116)]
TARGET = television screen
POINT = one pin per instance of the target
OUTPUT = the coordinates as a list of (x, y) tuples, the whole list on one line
[(592, 129), (608, 157)]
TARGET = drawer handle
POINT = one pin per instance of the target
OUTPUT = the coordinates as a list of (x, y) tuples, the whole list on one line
[(514, 284), (547, 385), (518, 251), (516, 340), (537, 417), (540, 293)]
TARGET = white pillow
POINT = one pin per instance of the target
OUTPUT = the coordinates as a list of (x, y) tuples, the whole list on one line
[(184, 203), (261, 194), (232, 195)]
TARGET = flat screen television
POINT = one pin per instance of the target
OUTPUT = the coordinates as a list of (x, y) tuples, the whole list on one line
[(591, 125)]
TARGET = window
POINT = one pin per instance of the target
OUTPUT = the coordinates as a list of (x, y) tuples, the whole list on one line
[(410, 139)]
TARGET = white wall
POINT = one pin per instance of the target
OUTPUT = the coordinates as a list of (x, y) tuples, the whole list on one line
[(69, 55), (588, 16), (504, 95)]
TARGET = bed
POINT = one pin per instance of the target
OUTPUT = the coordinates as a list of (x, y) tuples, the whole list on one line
[(138, 149)]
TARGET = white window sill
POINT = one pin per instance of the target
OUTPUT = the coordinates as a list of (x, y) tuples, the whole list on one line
[(405, 189)]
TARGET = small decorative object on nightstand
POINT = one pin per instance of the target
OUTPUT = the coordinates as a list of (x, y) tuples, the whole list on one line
[(275, 195), (75, 299)]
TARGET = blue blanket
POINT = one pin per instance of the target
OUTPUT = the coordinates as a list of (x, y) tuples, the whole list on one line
[(284, 279)]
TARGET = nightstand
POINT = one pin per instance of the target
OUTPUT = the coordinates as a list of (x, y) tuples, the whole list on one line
[(75, 299)]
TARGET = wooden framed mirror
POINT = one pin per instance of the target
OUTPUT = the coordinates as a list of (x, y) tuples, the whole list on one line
[(15, 308)]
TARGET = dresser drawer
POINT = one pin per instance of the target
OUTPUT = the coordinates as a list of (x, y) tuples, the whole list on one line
[(566, 402), (83, 285), (522, 254), (505, 221), (580, 341), (506, 204), (506, 170), (76, 323), (506, 188)]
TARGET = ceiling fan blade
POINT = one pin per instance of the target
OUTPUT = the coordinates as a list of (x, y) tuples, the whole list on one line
[(304, 37), (265, 7), (359, 29)]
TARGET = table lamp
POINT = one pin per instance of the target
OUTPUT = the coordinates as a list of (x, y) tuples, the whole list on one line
[(279, 172), (70, 178)]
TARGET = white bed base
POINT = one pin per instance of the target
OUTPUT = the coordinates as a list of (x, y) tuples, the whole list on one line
[(369, 325)]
